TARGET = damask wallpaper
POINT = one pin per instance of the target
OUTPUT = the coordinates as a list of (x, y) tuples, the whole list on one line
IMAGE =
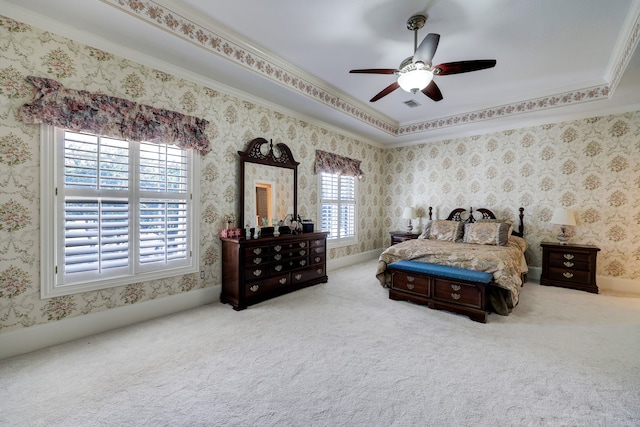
[(25, 51), (590, 165)]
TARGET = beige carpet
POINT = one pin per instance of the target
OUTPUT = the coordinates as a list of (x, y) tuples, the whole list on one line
[(343, 354)]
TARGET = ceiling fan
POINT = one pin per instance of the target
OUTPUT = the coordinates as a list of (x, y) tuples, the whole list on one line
[(416, 72)]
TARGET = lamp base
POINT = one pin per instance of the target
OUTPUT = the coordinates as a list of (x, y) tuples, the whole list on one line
[(409, 227), (563, 239)]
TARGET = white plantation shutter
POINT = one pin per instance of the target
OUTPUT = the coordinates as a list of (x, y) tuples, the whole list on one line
[(124, 212), (338, 206)]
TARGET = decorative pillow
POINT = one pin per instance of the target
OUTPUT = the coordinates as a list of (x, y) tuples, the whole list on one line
[(487, 233), (426, 231), (446, 230), (507, 221)]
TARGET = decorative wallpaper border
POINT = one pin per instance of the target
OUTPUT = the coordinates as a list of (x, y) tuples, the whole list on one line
[(182, 27)]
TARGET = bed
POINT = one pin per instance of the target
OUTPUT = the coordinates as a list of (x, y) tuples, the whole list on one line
[(433, 267)]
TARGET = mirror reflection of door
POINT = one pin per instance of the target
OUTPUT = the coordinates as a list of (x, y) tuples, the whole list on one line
[(264, 209)]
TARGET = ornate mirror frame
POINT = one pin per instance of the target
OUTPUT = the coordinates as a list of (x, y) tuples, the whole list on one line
[(263, 152)]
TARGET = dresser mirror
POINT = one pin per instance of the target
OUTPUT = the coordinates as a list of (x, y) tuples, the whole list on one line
[(269, 182)]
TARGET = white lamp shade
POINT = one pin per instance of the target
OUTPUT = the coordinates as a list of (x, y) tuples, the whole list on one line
[(562, 216), (415, 80), (409, 213)]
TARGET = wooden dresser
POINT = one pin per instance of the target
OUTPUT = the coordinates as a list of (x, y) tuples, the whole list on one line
[(254, 270), (569, 266)]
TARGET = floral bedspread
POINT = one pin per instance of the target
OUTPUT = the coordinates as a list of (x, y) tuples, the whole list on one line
[(504, 262)]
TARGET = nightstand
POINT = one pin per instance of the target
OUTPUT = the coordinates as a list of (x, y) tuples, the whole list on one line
[(569, 266), (401, 236)]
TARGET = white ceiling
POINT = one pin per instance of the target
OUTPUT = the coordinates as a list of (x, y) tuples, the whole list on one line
[(556, 60)]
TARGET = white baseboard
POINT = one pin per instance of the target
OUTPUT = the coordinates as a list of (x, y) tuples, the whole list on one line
[(37, 337), (334, 264)]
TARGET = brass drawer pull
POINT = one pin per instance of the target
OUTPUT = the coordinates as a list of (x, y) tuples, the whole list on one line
[(455, 296), (569, 256), (257, 272), (302, 253), (410, 278), (567, 275), (568, 264), (283, 280), (254, 288), (456, 287), (303, 262), (257, 251), (257, 260), (298, 276), (317, 259), (277, 257), (303, 244), (410, 286), (278, 267), (277, 248), (319, 271)]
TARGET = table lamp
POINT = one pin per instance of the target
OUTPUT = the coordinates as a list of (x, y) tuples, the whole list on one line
[(563, 217)]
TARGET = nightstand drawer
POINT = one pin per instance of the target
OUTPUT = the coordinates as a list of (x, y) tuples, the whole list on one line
[(572, 265), (460, 293), (569, 256), (568, 275), (410, 282)]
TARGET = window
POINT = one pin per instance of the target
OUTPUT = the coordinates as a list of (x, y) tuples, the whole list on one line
[(338, 208), (114, 212)]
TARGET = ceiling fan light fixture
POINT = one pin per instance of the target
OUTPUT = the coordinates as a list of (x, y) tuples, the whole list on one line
[(415, 80)]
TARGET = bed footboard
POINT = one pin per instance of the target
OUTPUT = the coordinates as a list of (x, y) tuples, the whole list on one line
[(441, 287)]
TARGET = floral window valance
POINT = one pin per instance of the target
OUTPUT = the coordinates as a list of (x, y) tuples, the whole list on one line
[(339, 165), (82, 111)]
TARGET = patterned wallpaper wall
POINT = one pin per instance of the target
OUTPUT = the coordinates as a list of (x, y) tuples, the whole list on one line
[(589, 165), (29, 51)]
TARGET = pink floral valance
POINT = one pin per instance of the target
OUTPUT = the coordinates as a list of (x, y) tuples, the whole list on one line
[(82, 111), (339, 165)]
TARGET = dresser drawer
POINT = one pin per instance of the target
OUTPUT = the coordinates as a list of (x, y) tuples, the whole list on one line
[(317, 259), (409, 282), (459, 293), (257, 260), (288, 265), (569, 275), (317, 242), (256, 272), (260, 287), (317, 250), (256, 251), (299, 276)]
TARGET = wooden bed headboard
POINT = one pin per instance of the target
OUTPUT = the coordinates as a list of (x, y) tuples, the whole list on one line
[(456, 215)]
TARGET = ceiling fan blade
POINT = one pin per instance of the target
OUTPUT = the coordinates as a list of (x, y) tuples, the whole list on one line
[(433, 91), (463, 66), (424, 53), (386, 91), (375, 71)]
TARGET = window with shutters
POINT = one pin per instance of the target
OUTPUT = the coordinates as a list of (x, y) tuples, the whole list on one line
[(114, 212), (338, 208)]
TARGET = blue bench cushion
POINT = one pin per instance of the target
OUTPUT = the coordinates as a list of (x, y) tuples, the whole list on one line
[(442, 271)]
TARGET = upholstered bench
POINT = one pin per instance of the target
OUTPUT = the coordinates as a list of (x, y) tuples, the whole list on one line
[(441, 287)]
